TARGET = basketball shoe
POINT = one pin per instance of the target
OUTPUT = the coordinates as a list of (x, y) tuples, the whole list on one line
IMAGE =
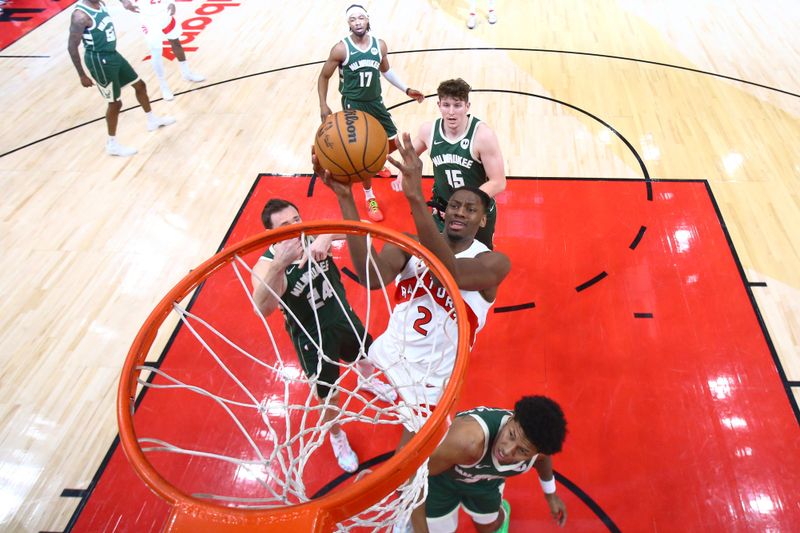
[(373, 211), (154, 122), (384, 173), (471, 21), (194, 76), (507, 519), (345, 456), (114, 148), (492, 16), (166, 93)]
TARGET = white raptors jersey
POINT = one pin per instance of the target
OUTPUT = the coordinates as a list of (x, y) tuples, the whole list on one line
[(418, 349)]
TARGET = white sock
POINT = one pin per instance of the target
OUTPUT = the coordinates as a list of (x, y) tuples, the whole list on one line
[(491, 5), (184, 66), (150, 115), (368, 194), (158, 63), (112, 139), (471, 7)]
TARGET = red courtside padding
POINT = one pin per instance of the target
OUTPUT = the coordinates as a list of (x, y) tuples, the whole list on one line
[(678, 419), (22, 16)]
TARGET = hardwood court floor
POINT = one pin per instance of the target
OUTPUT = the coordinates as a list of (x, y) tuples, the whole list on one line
[(90, 243)]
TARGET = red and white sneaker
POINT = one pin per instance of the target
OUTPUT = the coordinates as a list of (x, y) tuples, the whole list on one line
[(373, 211), (384, 173), (345, 456)]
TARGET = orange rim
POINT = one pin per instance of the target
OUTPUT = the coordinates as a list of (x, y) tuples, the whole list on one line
[(320, 514)]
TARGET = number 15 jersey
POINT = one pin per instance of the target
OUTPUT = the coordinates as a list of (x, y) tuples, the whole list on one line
[(454, 162)]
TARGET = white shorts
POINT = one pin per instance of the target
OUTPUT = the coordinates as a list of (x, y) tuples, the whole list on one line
[(157, 28), (419, 384), (449, 522)]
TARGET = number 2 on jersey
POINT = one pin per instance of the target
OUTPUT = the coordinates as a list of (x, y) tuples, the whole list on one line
[(423, 320)]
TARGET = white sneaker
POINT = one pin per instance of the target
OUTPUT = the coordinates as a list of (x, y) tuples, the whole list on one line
[(471, 21), (194, 76), (382, 390), (114, 148), (158, 122), (165, 92), (492, 17), (345, 456)]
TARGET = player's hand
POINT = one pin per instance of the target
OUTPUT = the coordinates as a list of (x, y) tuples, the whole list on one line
[(397, 183), (171, 10), (557, 508), (319, 249), (324, 111), (86, 81), (410, 168), (287, 252), (127, 4), (416, 95), (340, 189)]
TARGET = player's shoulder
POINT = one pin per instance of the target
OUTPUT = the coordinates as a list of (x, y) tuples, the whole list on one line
[(470, 435)]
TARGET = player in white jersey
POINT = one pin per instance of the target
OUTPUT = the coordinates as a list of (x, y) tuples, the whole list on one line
[(427, 354), (158, 23)]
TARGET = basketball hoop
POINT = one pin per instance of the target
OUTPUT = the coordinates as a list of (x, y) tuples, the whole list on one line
[(191, 513)]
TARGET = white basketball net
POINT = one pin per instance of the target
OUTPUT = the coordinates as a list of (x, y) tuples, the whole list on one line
[(289, 414)]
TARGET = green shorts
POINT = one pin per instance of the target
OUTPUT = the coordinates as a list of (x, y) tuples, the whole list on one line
[(485, 234), (445, 495), (339, 343), (111, 72), (377, 110)]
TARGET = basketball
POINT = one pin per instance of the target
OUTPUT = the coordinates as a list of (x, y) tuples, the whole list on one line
[(352, 145)]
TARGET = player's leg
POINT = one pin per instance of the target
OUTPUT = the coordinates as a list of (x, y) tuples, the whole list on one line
[(105, 72), (153, 36), (492, 13), (471, 18), (484, 504), (350, 351), (172, 32), (325, 373), (183, 64), (441, 505), (128, 75)]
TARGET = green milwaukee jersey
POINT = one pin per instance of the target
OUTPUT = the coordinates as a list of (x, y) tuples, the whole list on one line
[(100, 36), (487, 471), (454, 164), (360, 73), (311, 293)]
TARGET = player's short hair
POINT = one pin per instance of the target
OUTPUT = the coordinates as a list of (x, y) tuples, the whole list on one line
[(358, 7), (486, 200), (543, 422), (457, 88), (274, 205)]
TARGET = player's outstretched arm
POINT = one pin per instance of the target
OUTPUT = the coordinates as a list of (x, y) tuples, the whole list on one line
[(335, 58), (79, 22), (544, 468), (269, 275), (420, 143), (393, 78), (429, 236), (130, 6), (488, 148), (384, 266)]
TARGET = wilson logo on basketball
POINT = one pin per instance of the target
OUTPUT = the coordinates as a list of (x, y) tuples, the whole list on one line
[(350, 118)]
